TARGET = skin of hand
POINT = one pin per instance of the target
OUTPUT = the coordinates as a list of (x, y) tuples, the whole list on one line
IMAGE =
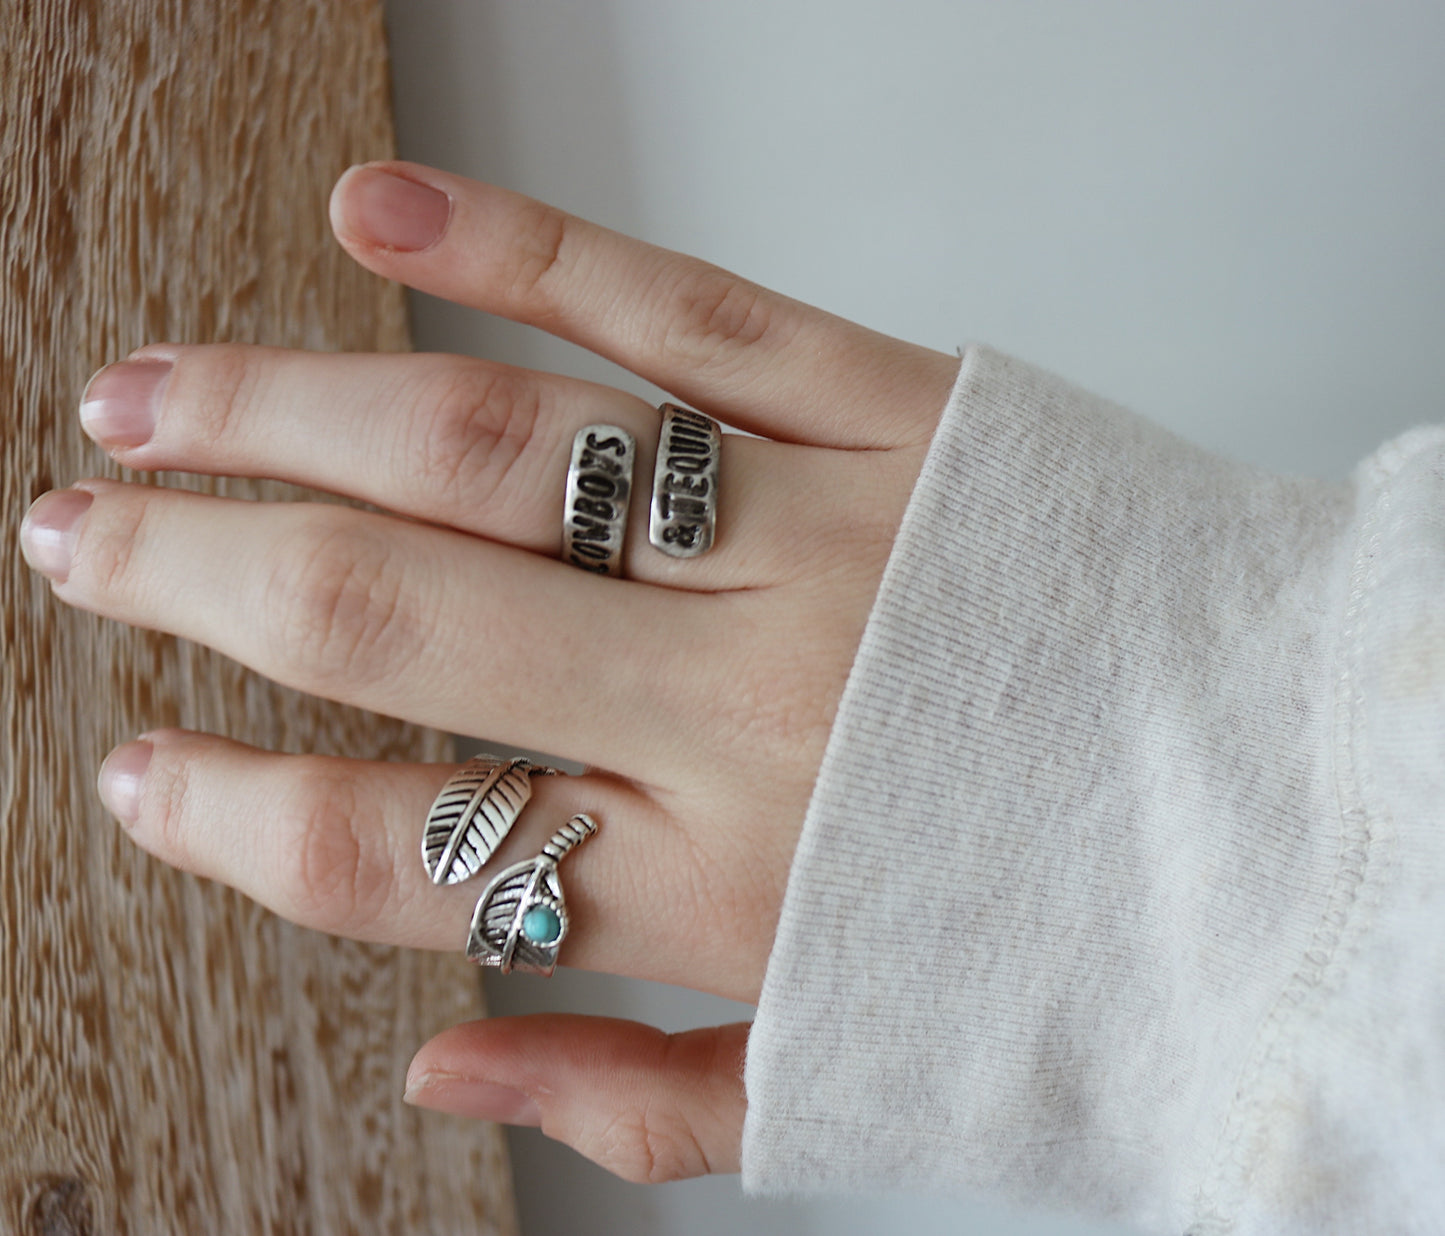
[(699, 693)]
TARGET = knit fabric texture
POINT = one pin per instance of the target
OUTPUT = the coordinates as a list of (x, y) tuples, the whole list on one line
[(1120, 892)]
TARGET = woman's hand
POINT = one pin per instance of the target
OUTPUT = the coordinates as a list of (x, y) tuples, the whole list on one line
[(700, 692)]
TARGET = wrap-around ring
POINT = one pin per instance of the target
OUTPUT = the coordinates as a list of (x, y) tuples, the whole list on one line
[(683, 518), (521, 919), (599, 489), (474, 812)]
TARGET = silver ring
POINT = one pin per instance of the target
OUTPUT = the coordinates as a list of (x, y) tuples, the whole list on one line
[(473, 813), (521, 920), (684, 483), (599, 488)]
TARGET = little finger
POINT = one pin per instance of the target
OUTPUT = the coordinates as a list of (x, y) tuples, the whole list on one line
[(335, 844)]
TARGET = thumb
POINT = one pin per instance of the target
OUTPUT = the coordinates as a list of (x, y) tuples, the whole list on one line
[(647, 1106)]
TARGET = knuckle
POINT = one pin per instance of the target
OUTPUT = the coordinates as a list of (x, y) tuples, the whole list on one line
[(334, 605), (332, 875), (112, 546), (221, 379), (166, 808), (472, 426), (779, 702), (544, 233), (653, 1144), (713, 316), (848, 558)]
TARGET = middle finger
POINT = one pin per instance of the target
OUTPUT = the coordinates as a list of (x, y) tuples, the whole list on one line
[(479, 446)]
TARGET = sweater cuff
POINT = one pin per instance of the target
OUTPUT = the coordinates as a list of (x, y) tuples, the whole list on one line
[(1075, 827)]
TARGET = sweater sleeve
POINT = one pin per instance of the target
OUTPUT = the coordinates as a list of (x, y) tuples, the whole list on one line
[(1120, 892)]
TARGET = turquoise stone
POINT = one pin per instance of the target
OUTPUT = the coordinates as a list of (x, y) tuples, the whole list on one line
[(541, 925)]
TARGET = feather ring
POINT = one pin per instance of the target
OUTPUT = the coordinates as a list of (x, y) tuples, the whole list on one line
[(473, 813), (521, 919)]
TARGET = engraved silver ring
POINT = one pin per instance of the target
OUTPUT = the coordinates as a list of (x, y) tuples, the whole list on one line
[(474, 812), (684, 483), (599, 488)]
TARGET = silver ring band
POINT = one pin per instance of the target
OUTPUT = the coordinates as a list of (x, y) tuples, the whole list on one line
[(473, 813), (599, 488), (521, 919), (684, 483)]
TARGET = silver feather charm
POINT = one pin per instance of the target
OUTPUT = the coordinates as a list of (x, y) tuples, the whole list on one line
[(473, 813), (521, 920)]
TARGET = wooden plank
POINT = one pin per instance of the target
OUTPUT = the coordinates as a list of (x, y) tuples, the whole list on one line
[(173, 1058)]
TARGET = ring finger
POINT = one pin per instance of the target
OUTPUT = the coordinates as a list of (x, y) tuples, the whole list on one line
[(479, 446), (426, 624)]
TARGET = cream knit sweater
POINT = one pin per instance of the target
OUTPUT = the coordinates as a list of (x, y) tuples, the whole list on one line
[(1122, 890)]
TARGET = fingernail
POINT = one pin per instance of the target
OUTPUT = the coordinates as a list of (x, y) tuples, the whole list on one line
[(391, 211), (49, 530), (120, 402), (481, 1100), (121, 778)]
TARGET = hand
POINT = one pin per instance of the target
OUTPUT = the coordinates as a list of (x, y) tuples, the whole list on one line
[(699, 692)]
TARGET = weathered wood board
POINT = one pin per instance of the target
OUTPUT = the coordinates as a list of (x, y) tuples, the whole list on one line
[(173, 1058)]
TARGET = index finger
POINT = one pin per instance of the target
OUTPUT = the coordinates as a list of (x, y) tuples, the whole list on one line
[(751, 357)]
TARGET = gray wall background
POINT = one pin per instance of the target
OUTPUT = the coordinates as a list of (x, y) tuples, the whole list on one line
[(1230, 217)]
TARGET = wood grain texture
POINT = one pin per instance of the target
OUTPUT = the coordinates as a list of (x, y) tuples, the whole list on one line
[(172, 1057)]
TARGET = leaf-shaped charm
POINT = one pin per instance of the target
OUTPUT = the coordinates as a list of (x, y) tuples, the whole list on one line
[(474, 811), (521, 920)]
